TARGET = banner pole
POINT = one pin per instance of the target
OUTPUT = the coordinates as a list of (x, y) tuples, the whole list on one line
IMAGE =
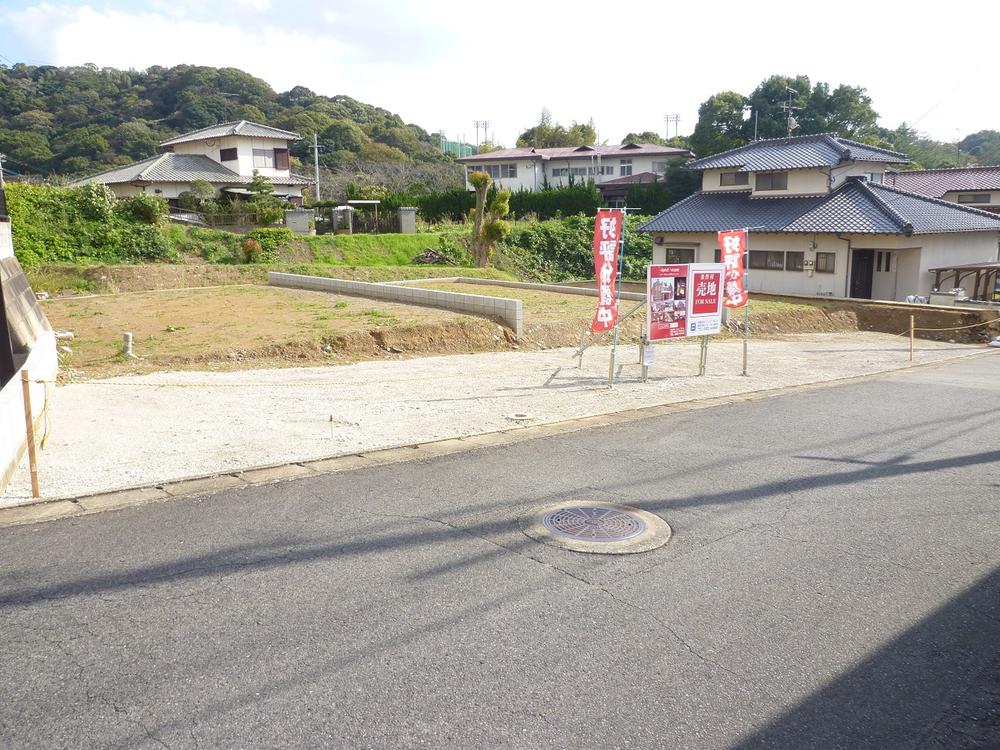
[(618, 299), (746, 307)]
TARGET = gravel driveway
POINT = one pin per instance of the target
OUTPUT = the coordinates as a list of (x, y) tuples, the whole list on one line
[(137, 431)]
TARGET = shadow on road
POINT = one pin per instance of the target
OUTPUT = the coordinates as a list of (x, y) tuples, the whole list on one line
[(937, 685)]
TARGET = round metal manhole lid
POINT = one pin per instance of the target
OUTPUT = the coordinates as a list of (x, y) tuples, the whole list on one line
[(602, 528), (593, 523)]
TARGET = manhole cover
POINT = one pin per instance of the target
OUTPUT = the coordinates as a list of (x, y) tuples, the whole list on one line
[(594, 524), (598, 527)]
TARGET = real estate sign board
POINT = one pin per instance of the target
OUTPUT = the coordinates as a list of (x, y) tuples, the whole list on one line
[(683, 300), (705, 287)]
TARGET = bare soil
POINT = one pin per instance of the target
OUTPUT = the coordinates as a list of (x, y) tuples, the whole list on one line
[(253, 326), (242, 327)]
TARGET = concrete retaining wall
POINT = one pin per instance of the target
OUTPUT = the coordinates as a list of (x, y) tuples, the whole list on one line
[(508, 311), (557, 288)]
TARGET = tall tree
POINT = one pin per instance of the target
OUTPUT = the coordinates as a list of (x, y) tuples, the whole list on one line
[(728, 119), (720, 124), (550, 134)]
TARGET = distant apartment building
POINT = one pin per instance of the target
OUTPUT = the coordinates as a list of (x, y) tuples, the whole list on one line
[(534, 168)]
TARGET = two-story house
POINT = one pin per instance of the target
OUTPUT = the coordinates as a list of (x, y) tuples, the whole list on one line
[(978, 187), (532, 169), (823, 220), (224, 155)]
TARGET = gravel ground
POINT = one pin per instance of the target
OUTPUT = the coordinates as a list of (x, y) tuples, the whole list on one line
[(136, 431)]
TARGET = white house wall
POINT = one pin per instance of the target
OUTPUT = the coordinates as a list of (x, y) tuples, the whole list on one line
[(952, 195), (955, 249), (244, 153), (911, 259), (534, 173), (639, 164), (813, 181)]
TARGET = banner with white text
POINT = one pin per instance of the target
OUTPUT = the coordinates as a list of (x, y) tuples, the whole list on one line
[(733, 247), (607, 236)]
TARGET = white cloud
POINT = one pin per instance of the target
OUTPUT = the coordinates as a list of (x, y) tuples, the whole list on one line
[(445, 64)]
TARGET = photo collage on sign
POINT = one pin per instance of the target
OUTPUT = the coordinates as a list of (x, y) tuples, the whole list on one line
[(668, 295)]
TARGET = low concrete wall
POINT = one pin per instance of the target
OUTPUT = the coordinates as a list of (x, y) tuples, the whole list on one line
[(557, 288), (509, 311)]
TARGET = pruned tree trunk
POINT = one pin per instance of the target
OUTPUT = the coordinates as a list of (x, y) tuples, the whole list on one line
[(479, 251)]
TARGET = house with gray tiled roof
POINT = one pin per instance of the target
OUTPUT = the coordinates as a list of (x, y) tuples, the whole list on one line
[(824, 219), (225, 155), (529, 168), (978, 187)]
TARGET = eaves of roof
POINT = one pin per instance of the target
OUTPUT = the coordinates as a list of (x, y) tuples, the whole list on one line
[(856, 207)]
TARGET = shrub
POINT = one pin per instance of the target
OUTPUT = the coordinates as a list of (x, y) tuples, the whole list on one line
[(97, 201), (271, 241), (150, 209), (252, 251)]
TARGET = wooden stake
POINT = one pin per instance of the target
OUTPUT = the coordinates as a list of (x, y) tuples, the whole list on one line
[(29, 424), (911, 337)]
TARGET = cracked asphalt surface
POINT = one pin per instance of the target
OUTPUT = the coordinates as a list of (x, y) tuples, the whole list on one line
[(833, 582)]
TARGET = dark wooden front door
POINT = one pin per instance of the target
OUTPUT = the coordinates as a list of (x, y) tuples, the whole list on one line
[(862, 270)]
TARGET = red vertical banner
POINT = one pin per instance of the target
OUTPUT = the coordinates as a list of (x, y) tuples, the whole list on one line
[(733, 246), (607, 235)]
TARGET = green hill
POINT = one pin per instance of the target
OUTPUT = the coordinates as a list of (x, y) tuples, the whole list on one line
[(79, 120)]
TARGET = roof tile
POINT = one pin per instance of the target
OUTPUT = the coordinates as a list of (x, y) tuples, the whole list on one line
[(855, 207), (240, 127), (797, 152), (935, 183)]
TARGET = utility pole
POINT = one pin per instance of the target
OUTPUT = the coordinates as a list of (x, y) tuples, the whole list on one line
[(675, 119), (2, 157), (485, 125), (315, 147), (788, 108)]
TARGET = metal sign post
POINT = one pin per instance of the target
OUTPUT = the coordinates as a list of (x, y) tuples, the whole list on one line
[(746, 307)]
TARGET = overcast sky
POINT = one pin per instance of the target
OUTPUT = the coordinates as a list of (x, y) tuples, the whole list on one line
[(445, 63)]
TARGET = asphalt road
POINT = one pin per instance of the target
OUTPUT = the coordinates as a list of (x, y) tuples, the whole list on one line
[(833, 582)]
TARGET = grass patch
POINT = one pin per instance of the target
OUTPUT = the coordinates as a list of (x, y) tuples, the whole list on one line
[(370, 249)]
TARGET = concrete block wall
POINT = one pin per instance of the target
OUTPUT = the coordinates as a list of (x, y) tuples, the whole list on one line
[(509, 311), (557, 288)]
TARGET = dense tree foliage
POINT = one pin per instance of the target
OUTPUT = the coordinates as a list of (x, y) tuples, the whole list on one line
[(550, 134), (77, 120), (728, 120), (984, 146)]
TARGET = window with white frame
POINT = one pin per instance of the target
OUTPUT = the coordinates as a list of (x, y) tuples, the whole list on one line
[(625, 168), (606, 170), (560, 171), (508, 170), (660, 167), (263, 158), (875, 177)]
